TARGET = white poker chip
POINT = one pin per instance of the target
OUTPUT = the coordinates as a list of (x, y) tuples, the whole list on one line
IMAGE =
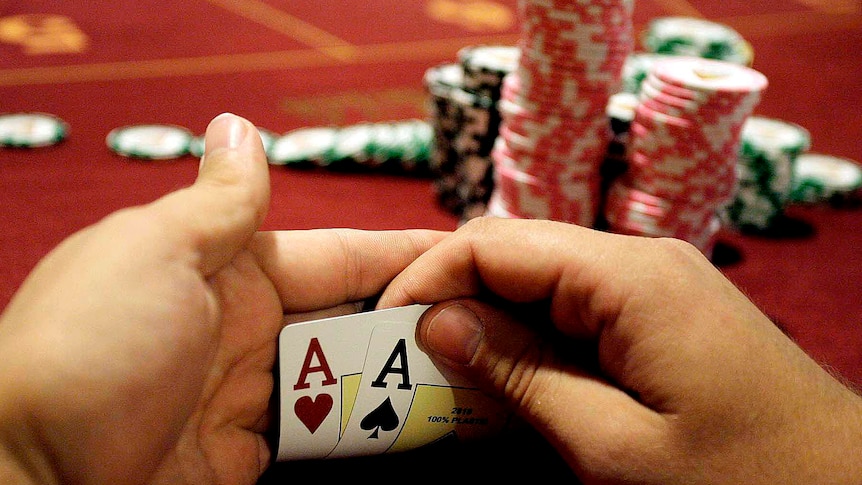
[(31, 130), (303, 145), (621, 106), (150, 142), (819, 177)]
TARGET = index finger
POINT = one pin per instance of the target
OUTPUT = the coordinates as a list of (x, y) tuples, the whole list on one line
[(526, 261), (322, 268)]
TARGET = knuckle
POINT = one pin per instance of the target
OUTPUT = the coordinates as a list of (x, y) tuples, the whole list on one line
[(518, 376)]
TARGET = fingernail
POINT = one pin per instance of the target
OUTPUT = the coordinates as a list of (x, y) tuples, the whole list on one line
[(454, 333), (225, 131)]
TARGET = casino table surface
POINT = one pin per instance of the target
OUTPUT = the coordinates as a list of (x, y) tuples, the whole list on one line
[(100, 65)]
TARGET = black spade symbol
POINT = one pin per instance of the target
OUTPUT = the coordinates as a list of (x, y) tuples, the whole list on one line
[(383, 417)]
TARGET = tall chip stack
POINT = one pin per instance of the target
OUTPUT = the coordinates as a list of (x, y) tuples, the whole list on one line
[(442, 82), (554, 132), (683, 148)]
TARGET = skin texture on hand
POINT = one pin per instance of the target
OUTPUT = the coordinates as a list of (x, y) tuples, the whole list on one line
[(687, 381), (142, 348)]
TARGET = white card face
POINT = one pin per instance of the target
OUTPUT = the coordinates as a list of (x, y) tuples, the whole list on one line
[(405, 401), (320, 368)]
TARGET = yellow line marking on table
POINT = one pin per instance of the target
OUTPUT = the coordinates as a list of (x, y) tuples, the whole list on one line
[(430, 50), (285, 23)]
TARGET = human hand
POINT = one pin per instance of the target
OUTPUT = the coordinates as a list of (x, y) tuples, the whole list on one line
[(142, 348), (690, 382)]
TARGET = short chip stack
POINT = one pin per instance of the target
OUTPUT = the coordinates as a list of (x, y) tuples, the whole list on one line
[(696, 37), (767, 159), (683, 149), (555, 132)]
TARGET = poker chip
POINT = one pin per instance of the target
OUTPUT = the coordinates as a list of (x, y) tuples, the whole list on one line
[(485, 66), (31, 130), (444, 117), (689, 36), (304, 146), (197, 146), (765, 167), (636, 68), (820, 177), (555, 132), (400, 146), (683, 147), (150, 142), (465, 120)]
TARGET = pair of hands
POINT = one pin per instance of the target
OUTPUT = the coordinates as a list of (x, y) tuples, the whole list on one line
[(142, 348)]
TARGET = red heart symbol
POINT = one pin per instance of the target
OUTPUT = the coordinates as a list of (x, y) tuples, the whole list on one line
[(312, 412)]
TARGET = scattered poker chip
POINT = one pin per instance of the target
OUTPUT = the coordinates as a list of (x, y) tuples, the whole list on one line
[(197, 146), (689, 36), (401, 146), (304, 146), (31, 130), (825, 178), (150, 142)]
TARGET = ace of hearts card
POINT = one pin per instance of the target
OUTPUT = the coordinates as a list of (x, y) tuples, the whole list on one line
[(359, 385)]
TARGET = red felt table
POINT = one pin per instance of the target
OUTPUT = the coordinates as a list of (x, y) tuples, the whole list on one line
[(99, 65)]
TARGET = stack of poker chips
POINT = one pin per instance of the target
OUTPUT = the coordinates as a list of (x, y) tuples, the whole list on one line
[(466, 122), (554, 133), (683, 148), (767, 159)]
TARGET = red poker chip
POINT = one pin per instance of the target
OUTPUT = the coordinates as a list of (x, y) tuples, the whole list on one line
[(555, 131), (709, 75)]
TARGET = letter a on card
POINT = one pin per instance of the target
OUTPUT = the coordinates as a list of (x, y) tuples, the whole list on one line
[(320, 366)]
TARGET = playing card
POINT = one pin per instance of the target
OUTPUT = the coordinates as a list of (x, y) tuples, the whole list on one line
[(405, 401), (320, 366)]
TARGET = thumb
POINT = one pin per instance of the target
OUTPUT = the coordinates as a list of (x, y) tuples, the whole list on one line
[(588, 420), (229, 200)]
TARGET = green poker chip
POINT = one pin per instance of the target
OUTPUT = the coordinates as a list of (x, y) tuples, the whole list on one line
[(769, 149), (197, 146), (353, 145), (824, 178), (303, 146), (150, 142), (31, 130), (690, 36), (399, 146)]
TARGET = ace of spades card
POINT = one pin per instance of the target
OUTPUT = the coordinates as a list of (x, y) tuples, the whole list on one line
[(320, 365), (404, 401)]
